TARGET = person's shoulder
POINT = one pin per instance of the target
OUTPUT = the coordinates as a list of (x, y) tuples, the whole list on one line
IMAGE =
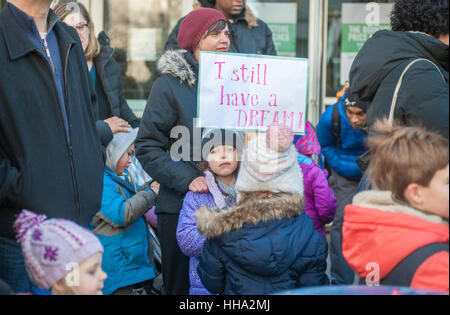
[(261, 23)]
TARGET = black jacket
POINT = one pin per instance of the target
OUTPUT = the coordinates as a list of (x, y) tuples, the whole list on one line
[(249, 35), (39, 169), (171, 108), (108, 74), (423, 96)]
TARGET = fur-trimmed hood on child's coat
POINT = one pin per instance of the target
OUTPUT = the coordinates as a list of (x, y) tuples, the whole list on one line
[(213, 222), (261, 246)]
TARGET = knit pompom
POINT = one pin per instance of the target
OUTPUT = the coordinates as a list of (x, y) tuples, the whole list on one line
[(25, 221), (279, 138)]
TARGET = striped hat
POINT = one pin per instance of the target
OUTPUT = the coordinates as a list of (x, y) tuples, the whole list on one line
[(307, 144)]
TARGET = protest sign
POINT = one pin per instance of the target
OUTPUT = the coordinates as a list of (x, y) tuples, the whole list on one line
[(250, 92)]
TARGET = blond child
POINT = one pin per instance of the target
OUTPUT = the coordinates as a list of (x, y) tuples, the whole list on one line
[(60, 255)]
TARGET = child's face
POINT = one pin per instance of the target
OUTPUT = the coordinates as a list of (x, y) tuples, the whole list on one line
[(222, 160), (86, 279), (436, 195), (125, 160), (91, 276)]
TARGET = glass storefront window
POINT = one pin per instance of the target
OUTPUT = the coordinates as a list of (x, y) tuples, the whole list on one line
[(334, 78), (139, 29)]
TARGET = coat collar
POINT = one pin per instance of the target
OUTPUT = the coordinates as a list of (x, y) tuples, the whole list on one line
[(213, 222), (248, 17), (120, 180), (17, 41)]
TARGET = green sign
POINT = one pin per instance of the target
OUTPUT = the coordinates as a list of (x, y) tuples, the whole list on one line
[(359, 22), (282, 21), (355, 35)]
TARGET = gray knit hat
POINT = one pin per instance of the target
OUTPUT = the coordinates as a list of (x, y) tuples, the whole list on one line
[(118, 146)]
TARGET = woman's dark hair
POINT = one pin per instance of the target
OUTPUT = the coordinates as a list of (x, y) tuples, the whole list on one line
[(216, 28), (427, 16)]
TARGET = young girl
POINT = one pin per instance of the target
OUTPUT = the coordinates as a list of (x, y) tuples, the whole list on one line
[(60, 255), (220, 168), (120, 224), (320, 203), (264, 243), (397, 234)]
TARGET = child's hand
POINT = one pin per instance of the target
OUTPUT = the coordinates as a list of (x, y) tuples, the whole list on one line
[(155, 186), (199, 185)]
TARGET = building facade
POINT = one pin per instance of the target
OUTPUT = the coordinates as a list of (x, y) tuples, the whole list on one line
[(311, 29)]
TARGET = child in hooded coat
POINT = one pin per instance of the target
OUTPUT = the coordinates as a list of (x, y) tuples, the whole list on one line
[(120, 223), (397, 234), (265, 243), (220, 166)]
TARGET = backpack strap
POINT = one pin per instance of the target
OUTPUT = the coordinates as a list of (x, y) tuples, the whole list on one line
[(336, 124), (404, 272), (399, 84)]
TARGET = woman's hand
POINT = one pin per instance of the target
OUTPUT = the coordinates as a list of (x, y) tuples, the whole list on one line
[(199, 185)]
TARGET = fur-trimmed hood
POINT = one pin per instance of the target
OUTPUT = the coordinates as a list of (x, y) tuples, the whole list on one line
[(270, 238), (213, 222), (175, 63)]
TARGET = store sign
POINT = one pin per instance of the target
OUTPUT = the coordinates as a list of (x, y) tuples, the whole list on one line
[(359, 22), (250, 92), (282, 21)]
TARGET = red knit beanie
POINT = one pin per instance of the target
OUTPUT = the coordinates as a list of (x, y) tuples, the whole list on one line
[(195, 25)]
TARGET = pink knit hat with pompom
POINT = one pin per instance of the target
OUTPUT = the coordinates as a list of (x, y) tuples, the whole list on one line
[(52, 248), (270, 163)]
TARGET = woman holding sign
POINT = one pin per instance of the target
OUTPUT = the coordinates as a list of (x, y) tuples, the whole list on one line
[(165, 144)]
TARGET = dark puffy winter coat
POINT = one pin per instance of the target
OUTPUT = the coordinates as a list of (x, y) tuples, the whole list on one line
[(39, 169), (172, 103), (249, 35), (423, 96), (261, 246), (108, 74)]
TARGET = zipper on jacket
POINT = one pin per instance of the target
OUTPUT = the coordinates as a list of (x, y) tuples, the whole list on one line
[(47, 50), (74, 177)]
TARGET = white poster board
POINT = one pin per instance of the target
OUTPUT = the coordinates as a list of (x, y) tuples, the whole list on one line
[(250, 92)]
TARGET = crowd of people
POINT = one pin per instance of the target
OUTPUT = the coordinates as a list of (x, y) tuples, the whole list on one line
[(89, 192)]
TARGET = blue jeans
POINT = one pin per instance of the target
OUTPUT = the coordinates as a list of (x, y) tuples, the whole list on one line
[(12, 266)]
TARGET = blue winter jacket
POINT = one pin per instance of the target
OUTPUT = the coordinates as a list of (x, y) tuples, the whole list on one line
[(342, 160), (123, 234), (261, 246)]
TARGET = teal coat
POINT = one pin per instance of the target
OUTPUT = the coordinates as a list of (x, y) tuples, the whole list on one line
[(125, 258)]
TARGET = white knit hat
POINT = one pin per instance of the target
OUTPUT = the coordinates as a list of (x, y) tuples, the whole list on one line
[(118, 146), (270, 164)]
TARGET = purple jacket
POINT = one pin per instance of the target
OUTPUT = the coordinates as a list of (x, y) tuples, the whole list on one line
[(189, 238), (320, 202)]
